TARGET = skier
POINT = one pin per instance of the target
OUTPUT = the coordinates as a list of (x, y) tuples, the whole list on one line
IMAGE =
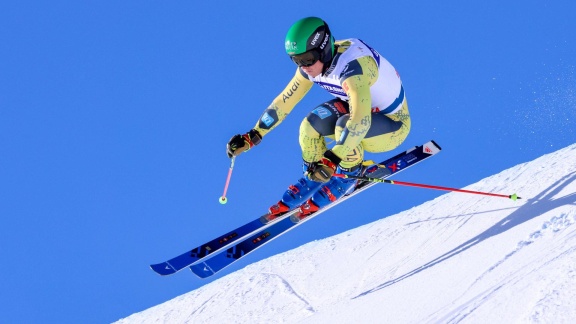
[(370, 112)]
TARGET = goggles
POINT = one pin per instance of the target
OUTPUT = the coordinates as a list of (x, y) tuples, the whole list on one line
[(306, 59)]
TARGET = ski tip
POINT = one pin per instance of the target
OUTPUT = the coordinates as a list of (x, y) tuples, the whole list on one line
[(438, 146)]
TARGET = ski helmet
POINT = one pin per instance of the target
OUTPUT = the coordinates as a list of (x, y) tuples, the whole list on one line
[(308, 41)]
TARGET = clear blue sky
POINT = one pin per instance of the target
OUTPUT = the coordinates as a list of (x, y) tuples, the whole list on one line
[(114, 117)]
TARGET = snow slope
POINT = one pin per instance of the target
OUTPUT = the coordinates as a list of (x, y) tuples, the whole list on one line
[(459, 258)]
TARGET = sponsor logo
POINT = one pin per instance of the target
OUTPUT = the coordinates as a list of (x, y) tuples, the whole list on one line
[(261, 238), (352, 68), (315, 39), (326, 38), (409, 158), (347, 73), (346, 67), (332, 89), (400, 164), (290, 91), (322, 112), (340, 107), (430, 149), (224, 239), (291, 47), (267, 119)]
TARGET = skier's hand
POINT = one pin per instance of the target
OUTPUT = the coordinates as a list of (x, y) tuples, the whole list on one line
[(241, 143), (323, 170)]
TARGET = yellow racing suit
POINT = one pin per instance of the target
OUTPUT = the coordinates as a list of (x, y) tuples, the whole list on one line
[(370, 111)]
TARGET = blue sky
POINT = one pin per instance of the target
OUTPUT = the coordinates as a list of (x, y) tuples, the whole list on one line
[(114, 118)]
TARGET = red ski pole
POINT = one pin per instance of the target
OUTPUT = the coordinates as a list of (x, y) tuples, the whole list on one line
[(223, 200), (419, 185)]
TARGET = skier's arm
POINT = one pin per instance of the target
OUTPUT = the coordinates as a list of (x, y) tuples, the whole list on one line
[(273, 115), (358, 78), (283, 103)]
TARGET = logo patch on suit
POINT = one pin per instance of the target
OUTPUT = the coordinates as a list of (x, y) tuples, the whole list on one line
[(267, 119), (322, 112)]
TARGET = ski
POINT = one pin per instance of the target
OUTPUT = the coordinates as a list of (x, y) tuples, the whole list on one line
[(198, 253), (215, 262)]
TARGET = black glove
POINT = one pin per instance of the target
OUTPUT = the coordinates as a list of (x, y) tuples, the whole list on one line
[(241, 143), (323, 170)]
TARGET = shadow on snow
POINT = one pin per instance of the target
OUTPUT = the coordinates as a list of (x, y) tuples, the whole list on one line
[(534, 207)]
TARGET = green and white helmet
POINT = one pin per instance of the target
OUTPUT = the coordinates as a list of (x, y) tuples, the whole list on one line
[(308, 41)]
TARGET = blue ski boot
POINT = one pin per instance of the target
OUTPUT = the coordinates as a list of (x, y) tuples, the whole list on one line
[(295, 196), (330, 192)]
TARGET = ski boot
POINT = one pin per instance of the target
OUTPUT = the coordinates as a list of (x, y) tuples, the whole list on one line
[(330, 192), (295, 196)]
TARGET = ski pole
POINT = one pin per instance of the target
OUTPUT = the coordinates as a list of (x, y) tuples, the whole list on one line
[(419, 185), (223, 199)]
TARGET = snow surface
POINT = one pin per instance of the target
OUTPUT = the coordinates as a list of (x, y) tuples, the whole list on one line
[(458, 258)]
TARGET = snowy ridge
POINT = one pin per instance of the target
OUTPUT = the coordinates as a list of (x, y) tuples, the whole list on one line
[(458, 258)]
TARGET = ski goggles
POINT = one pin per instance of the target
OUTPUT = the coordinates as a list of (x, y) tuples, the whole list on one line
[(306, 59)]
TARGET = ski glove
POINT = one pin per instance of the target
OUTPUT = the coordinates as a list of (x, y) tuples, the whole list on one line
[(241, 143), (323, 170)]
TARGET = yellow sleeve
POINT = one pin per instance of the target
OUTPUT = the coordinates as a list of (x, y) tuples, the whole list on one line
[(357, 88), (283, 104)]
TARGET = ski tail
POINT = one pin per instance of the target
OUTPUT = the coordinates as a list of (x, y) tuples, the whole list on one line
[(220, 243)]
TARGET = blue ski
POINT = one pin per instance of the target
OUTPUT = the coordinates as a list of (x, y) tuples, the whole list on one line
[(186, 259), (215, 262)]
